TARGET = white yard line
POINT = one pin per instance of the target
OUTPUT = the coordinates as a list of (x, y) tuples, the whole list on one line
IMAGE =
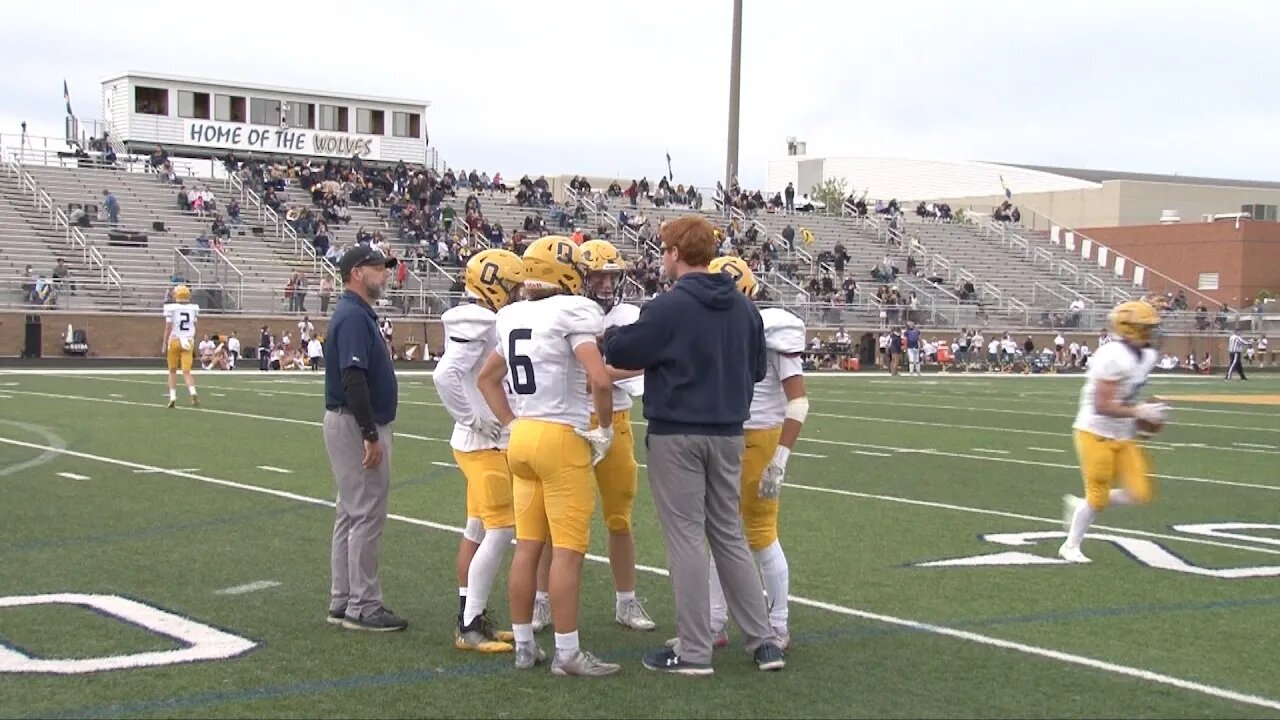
[(977, 638), (274, 469), (248, 587), (72, 476), (872, 453), (990, 450), (152, 472), (803, 439), (1045, 449)]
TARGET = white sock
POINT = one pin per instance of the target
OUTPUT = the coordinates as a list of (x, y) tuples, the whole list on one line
[(173, 395), (777, 582), (623, 598), (719, 607), (523, 632), (1121, 497), (191, 389), (484, 569), (462, 592), (542, 596), (567, 644), (1080, 523)]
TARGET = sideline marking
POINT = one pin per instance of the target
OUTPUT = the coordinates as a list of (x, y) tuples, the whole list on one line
[(248, 587)]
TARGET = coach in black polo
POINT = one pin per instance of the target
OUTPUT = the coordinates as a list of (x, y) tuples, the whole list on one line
[(360, 395)]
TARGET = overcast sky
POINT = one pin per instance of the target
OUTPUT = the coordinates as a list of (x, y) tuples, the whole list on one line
[(603, 87)]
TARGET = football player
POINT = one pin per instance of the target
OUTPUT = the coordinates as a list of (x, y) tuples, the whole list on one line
[(616, 474), (779, 406), (547, 352), (492, 280), (1106, 424), (179, 341)]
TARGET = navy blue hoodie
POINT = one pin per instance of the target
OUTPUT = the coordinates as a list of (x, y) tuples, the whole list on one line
[(701, 346)]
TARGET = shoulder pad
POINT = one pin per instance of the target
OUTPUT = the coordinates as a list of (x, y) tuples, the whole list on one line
[(623, 314), (577, 315), (783, 332), (468, 322)]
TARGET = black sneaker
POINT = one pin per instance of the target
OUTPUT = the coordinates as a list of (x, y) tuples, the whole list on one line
[(770, 657), (379, 620), (335, 617), (666, 660)]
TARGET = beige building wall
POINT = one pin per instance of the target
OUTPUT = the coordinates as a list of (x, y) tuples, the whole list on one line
[(1124, 202)]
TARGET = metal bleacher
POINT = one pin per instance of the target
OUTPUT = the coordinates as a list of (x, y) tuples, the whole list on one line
[(249, 274)]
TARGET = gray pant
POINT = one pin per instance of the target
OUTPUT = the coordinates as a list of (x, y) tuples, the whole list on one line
[(361, 514), (695, 481)]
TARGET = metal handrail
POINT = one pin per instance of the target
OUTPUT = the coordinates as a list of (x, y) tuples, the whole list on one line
[(42, 201)]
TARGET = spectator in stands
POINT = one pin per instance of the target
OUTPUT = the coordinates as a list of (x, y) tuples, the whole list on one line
[(112, 207), (321, 241), (62, 277), (326, 290), (233, 212), (219, 228), (790, 195), (298, 294)]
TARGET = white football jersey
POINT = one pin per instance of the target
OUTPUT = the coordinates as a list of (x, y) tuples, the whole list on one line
[(470, 336), (537, 339), (784, 341), (183, 318), (624, 390), (1129, 368)]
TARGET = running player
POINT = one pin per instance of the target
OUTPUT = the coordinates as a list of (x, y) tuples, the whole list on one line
[(1106, 424)]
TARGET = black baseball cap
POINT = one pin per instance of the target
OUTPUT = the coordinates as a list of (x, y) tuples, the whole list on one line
[(362, 255)]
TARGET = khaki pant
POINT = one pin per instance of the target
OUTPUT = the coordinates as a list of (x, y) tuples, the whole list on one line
[(361, 514)]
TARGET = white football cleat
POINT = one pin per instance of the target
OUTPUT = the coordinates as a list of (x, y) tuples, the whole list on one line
[(1072, 554), (541, 615)]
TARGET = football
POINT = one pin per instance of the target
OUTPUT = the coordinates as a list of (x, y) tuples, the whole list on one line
[(1146, 428)]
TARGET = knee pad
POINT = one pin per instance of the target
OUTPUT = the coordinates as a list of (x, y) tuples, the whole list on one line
[(1143, 494), (761, 535), (618, 524), (474, 530), (1098, 497)]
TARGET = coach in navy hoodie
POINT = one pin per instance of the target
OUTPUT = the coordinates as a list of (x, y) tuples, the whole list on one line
[(701, 347)]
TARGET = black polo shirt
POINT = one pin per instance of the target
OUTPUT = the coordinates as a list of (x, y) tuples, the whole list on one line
[(353, 340)]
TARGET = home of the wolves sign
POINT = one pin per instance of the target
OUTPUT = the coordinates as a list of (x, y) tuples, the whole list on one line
[(260, 138)]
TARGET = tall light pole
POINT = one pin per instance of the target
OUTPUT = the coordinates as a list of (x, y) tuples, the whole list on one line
[(735, 91)]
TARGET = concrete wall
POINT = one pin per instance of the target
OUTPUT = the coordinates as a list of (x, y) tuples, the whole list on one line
[(1247, 259), (138, 336)]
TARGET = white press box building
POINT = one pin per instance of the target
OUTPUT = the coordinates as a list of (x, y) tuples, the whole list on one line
[(202, 117)]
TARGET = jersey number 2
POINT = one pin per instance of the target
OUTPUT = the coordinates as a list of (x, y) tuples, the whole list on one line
[(184, 321), (521, 365)]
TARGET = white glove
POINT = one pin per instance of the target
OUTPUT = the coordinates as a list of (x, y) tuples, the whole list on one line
[(490, 430), (771, 480), (1151, 412), (600, 439)]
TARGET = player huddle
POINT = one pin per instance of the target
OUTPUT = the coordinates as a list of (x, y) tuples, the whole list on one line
[(542, 422)]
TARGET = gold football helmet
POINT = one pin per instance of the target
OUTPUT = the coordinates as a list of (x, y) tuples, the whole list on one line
[(182, 294), (492, 277), (736, 268), (605, 267), (554, 261), (1135, 322)]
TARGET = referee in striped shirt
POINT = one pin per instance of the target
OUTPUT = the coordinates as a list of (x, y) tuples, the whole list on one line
[(1235, 350)]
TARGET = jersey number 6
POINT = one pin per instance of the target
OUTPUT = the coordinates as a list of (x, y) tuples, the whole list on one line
[(522, 380)]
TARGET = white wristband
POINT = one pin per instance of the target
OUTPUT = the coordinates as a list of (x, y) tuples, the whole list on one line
[(781, 455)]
